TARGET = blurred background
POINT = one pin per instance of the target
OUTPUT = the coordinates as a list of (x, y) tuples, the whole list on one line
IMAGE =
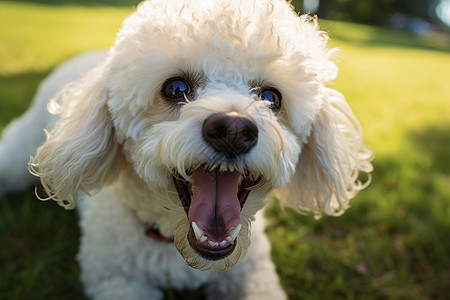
[(393, 243)]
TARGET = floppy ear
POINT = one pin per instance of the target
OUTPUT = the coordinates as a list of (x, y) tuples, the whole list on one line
[(327, 173), (80, 153)]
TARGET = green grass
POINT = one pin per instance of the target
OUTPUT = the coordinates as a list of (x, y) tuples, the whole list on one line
[(392, 244), (35, 37)]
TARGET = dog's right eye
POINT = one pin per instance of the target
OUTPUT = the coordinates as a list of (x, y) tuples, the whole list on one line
[(176, 88), (273, 96)]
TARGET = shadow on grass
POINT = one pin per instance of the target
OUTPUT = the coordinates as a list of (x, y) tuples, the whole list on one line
[(434, 143), (16, 94), (39, 242)]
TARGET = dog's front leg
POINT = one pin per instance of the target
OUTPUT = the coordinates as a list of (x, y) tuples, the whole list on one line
[(253, 278), (113, 251), (262, 281), (119, 288)]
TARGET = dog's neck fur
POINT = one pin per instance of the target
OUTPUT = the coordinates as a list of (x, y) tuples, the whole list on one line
[(146, 200)]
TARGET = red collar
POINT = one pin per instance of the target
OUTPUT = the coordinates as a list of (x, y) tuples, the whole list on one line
[(153, 232)]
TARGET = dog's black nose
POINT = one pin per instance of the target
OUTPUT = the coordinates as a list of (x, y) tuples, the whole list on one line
[(230, 133)]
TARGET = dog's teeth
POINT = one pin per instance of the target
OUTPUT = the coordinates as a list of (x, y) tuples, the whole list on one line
[(213, 244), (234, 231), (231, 168), (197, 231)]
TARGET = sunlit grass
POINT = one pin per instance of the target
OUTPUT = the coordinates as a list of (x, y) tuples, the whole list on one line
[(393, 242), (393, 81), (35, 37), (395, 90)]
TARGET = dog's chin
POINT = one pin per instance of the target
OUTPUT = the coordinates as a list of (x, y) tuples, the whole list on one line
[(211, 253), (205, 259)]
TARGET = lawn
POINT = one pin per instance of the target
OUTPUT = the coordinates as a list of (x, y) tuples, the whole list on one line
[(392, 244)]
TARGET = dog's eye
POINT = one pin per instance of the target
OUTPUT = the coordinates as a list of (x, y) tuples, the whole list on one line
[(273, 96), (176, 88)]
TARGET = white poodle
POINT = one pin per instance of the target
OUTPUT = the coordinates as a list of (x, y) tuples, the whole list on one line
[(174, 138)]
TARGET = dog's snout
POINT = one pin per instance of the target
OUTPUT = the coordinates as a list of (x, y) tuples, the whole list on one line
[(230, 133)]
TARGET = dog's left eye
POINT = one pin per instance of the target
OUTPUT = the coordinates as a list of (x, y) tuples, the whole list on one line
[(273, 96), (176, 88)]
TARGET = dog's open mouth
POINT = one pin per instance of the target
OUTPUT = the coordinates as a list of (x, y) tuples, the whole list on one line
[(213, 205)]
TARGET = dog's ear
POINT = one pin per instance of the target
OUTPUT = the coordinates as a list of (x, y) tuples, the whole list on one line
[(80, 153), (329, 167)]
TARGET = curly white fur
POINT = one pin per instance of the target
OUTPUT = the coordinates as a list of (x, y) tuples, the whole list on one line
[(118, 142)]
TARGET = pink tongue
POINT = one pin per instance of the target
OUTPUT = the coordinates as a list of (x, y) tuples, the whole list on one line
[(215, 207)]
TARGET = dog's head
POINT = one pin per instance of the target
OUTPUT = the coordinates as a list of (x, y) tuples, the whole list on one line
[(213, 105)]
